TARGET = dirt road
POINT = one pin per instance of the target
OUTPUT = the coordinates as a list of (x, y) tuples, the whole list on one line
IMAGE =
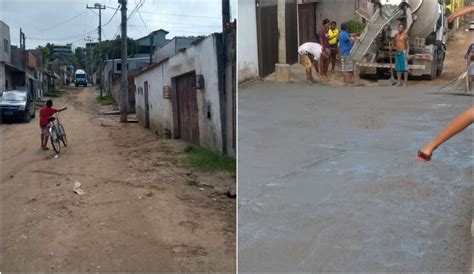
[(138, 214)]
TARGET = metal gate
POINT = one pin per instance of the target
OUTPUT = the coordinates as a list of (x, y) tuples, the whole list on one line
[(267, 35), (307, 22), (188, 124)]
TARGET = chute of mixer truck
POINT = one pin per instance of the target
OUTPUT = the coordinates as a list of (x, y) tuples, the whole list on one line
[(424, 24)]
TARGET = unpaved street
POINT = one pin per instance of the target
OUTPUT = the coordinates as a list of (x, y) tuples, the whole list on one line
[(328, 180), (139, 214)]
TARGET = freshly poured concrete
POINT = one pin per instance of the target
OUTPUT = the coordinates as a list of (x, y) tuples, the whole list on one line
[(328, 180)]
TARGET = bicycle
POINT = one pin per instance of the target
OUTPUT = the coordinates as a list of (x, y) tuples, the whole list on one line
[(56, 132)]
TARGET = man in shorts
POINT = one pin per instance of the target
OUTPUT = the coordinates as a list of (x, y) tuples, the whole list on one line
[(310, 54), (345, 46), (46, 112), (401, 61)]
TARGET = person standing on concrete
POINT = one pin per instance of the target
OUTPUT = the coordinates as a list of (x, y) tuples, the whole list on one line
[(333, 33), (459, 123), (401, 61), (310, 54), (345, 46), (325, 55)]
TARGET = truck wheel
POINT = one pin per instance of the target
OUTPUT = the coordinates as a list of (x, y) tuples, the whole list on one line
[(441, 55)]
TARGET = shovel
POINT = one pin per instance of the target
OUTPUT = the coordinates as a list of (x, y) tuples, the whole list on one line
[(392, 80)]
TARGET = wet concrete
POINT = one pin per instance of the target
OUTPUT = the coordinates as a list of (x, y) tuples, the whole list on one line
[(328, 180)]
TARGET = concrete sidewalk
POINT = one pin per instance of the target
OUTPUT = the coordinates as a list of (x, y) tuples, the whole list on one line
[(328, 180)]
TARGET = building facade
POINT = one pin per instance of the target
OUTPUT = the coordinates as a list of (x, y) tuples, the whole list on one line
[(5, 55), (303, 18), (184, 96)]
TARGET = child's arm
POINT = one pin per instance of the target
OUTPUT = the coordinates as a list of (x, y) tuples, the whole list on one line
[(459, 123), (62, 109), (460, 12)]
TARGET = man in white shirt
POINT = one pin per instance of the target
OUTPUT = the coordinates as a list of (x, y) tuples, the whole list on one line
[(310, 53)]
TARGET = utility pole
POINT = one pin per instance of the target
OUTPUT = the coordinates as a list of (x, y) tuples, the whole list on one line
[(89, 39), (99, 7), (225, 14), (151, 48), (23, 49), (282, 69), (124, 69)]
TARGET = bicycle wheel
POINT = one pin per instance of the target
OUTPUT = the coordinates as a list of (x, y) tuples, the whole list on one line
[(55, 142), (62, 133)]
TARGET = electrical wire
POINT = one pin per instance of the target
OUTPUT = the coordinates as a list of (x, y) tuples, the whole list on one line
[(182, 15), (62, 38), (178, 24), (110, 20), (65, 21), (140, 14)]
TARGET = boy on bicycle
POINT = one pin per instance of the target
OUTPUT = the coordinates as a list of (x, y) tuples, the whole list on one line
[(46, 112)]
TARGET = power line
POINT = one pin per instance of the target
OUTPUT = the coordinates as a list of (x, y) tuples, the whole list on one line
[(135, 9), (62, 38), (140, 14), (178, 24), (181, 15), (65, 21), (110, 20)]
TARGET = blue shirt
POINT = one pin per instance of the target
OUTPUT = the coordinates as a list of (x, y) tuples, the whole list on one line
[(345, 44)]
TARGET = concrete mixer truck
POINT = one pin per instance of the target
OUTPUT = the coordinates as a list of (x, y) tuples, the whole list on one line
[(424, 21)]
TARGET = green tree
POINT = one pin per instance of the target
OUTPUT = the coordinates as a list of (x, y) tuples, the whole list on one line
[(111, 49), (46, 53), (80, 58)]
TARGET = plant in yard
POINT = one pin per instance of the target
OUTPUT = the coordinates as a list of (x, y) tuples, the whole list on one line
[(203, 159), (192, 182), (105, 100)]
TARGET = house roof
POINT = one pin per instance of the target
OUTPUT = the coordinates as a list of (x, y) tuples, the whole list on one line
[(153, 32), (150, 67), (196, 42)]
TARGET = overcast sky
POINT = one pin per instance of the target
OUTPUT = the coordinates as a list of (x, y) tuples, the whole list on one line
[(68, 21)]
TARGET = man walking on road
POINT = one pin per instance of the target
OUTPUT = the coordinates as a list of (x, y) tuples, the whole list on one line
[(401, 62), (310, 54)]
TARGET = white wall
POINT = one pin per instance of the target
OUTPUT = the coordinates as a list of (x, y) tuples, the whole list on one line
[(200, 58), (336, 10), (247, 41)]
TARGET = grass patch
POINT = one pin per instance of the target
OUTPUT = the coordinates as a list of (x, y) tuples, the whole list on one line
[(105, 100), (202, 159), (192, 182)]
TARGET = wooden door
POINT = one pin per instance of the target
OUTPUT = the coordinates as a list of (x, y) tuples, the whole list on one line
[(267, 32), (307, 22), (188, 123)]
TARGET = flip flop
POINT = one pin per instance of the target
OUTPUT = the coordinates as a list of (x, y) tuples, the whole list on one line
[(423, 157), (45, 148)]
